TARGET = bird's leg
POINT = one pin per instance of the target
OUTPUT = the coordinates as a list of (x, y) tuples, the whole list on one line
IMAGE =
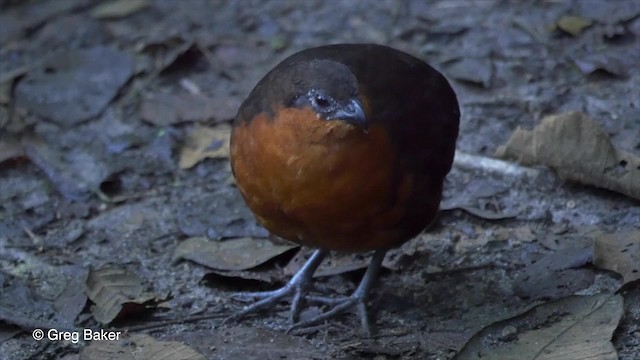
[(298, 286), (358, 298)]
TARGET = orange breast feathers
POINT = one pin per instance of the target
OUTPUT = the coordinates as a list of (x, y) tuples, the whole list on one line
[(320, 183)]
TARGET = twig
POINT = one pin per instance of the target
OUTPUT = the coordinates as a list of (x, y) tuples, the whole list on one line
[(165, 323), (478, 162)]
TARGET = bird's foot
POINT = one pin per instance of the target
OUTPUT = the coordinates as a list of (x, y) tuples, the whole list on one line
[(357, 299), (340, 305), (297, 287)]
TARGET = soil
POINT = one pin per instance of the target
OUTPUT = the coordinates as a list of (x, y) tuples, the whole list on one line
[(97, 107)]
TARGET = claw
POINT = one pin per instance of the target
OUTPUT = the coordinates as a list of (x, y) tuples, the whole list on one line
[(357, 299), (299, 285)]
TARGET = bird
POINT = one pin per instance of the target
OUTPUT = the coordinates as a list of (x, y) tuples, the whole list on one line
[(343, 148)]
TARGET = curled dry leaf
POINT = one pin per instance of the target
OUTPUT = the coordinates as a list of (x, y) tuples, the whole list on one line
[(205, 142), (243, 280), (619, 252), (235, 254), (116, 292), (118, 8), (573, 328), (139, 347), (614, 64), (577, 149)]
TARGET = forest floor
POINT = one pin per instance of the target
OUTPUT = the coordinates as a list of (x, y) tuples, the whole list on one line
[(118, 211)]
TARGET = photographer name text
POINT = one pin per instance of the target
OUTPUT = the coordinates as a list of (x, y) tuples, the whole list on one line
[(76, 336)]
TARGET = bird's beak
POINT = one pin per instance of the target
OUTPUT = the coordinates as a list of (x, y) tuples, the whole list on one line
[(353, 114)]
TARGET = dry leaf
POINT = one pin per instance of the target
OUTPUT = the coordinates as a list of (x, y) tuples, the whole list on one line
[(74, 86), (205, 142), (336, 264), (116, 292), (577, 149), (573, 328), (472, 70), (484, 214), (236, 254), (139, 347), (118, 8), (607, 62), (556, 274), (573, 25), (10, 148), (249, 343), (243, 280), (167, 109), (619, 252)]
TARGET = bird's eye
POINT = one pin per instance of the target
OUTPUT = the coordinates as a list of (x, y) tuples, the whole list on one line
[(321, 101)]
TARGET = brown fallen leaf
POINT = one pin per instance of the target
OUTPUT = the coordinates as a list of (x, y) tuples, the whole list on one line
[(573, 328), (234, 254), (75, 174), (473, 71), (18, 20), (482, 213), (205, 142), (619, 252), (339, 263), (578, 150), (249, 343), (74, 86), (555, 275), (336, 264), (139, 347), (116, 293), (573, 25), (611, 63), (167, 109), (243, 280), (118, 8)]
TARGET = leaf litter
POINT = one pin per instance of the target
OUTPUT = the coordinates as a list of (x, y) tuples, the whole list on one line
[(117, 293), (573, 328), (577, 149)]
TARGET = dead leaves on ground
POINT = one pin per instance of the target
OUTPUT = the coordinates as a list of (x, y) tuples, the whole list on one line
[(74, 86), (205, 142), (241, 342), (579, 150), (169, 109), (139, 347), (573, 328), (118, 8), (618, 252), (234, 260), (231, 255), (573, 25), (117, 293)]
